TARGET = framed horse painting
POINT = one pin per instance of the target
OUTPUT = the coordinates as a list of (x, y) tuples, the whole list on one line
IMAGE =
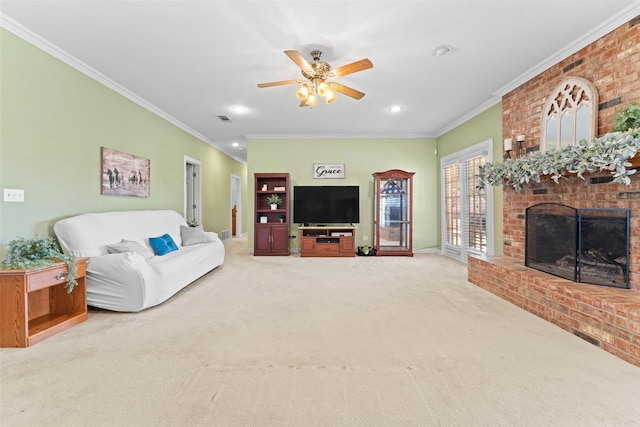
[(124, 174)]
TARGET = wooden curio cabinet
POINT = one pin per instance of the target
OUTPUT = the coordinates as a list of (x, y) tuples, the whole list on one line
[(271, 226), (393, 214)]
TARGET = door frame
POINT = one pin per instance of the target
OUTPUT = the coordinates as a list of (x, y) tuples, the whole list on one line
[(197, 191), (461, 253), (235, 192)]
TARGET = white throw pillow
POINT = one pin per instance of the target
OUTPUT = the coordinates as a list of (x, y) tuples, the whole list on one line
[(130, 246), (194, 235)]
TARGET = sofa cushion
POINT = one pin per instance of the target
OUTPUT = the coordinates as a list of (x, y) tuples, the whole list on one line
[(194, 235), (163, 245), (129, 246), (87, 235)]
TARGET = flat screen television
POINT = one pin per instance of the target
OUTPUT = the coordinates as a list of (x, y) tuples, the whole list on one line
[(326, 204)]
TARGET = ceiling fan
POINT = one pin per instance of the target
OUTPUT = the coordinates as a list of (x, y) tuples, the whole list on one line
[(318, 74)]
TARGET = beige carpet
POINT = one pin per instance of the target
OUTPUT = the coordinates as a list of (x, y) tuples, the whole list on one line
[(290, 341)]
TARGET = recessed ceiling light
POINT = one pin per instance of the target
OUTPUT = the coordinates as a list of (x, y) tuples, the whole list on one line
[(235, 144), (395, 108), (239, 109), (441, 51)]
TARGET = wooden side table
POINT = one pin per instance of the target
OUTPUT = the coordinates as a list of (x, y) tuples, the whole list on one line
[(35, 304)]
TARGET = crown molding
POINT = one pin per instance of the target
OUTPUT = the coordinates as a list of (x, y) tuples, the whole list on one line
[(340, 136), (29, 36), (470, 115), (621, 18), (585, 40)]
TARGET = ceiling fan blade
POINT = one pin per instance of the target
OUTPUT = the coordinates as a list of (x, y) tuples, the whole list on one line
[(299, 60), (346, 90), (280, 83), (354, 67)]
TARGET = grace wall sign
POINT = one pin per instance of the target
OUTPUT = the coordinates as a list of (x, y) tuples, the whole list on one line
[(328, 170)]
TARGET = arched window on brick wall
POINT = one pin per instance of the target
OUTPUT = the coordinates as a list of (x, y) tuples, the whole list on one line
[(570, 114)]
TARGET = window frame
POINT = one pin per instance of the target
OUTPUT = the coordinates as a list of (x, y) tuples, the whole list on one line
[(461, 251)]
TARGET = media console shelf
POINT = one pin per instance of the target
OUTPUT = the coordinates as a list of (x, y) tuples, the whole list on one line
[(327, 241)]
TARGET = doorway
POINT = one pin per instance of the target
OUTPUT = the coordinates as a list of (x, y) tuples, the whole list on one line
[(235, 206), (467, 211), (192, 191)]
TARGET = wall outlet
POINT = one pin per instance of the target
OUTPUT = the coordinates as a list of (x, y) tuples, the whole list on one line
[(13, 195), (365, 238)]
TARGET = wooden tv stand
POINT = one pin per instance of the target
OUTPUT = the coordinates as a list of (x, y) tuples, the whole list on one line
[(327, 241)]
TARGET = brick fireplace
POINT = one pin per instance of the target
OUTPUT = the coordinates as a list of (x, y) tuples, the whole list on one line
[(582, 245), (608, 317), (605, 316)]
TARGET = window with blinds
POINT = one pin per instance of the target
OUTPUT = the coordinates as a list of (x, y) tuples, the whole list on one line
[(466, 210), (476, 212), (452, 204)]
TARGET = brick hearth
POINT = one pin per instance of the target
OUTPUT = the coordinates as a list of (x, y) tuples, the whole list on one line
[(607, 317)]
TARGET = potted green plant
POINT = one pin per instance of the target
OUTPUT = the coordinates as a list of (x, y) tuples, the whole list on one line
[(274, 201), (627, 118), (37, 253), (281, 218)]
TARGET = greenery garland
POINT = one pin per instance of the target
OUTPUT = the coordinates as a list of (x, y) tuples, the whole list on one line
[(611, 152), (37, 253)]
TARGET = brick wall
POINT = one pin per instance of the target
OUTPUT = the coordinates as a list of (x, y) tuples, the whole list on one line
[(612, 63)]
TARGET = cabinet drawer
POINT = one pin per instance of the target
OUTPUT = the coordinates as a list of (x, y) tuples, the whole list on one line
[(52, 276), (328, 248)]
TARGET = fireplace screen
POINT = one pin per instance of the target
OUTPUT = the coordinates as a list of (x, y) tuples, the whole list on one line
[(583, 245)]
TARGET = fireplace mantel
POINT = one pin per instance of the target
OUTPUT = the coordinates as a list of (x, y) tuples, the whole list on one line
[(635, 164)]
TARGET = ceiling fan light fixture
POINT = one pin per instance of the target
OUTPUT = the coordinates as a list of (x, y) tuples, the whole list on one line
[(303, 92), (323, 88), (330, 97), (316, 74)]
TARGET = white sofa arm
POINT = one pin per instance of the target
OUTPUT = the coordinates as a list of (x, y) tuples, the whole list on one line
[(212, 236), (118, 281)]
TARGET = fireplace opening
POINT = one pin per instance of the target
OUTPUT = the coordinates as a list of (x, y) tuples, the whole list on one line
[(582, 245)]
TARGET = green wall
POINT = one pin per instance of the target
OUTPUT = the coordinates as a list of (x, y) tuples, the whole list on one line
[(484, 126), (54, 119), (361, 157)]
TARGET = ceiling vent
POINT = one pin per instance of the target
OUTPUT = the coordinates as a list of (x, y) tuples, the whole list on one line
[(224, 119)]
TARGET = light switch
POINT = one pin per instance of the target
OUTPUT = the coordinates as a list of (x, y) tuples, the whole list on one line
[(13, 195)]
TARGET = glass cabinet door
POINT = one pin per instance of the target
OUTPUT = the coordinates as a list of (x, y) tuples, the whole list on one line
[(393, 212)]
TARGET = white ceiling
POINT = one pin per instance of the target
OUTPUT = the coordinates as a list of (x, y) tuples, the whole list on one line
[(191, 61)]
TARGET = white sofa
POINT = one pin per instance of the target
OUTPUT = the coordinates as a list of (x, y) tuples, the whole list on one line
[(133, 278)]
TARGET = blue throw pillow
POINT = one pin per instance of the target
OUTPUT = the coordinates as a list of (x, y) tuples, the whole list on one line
[(162, 245), (170, 242)]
